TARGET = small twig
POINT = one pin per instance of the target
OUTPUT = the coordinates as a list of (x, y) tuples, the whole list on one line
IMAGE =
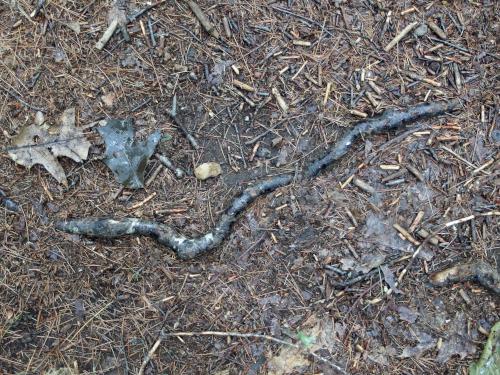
[(187, 134), (484, 273), (24, 103), (400, 36), (149, 356), (437, 30), (143, 202), (107, 35), (179, 173), (151, 32), (463, 159), (135, 16), (250, 336), (173, 115), (207, 25), (363, 185)]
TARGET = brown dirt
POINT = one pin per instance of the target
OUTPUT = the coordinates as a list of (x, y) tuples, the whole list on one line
[(67, 301)]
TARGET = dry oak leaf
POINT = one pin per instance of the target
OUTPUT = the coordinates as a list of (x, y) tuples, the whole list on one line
[(39, 145)]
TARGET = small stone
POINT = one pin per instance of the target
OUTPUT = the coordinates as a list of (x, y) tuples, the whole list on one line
[(207, 170), (59, 55), (263, 152), (39, 118), (421, 30), (108, 99)]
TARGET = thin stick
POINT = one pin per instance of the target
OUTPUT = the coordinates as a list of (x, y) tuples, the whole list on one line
[(23, 102), (254, 336), (207, 25), (187, 248), (187, 134), (150, 354), (400, 36), (107, 35), (475, 167), (179, 173), (142, 11)]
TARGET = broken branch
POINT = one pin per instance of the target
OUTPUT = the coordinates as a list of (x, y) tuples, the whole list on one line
[(187, 248)]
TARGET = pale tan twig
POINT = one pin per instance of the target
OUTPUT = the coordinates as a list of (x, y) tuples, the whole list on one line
[(234, 334)]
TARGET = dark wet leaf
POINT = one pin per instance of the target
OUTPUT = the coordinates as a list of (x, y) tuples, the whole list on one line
[(407, 314), (125, 156), (457, 341), (425, 342), (79, 309)]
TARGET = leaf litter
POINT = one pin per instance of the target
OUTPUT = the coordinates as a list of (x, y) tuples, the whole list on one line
[(316, 334), (43, 144)]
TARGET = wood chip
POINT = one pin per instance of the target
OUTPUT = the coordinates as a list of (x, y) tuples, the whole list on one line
[(280, 100), (363, 185), (327, 93), (406, 234), (358, 113), (436, 29), (302, 43), (390, 167), (416, 221), (243, 86)]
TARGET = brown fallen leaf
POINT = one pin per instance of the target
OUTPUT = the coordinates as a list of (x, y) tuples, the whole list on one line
[(39, 145)]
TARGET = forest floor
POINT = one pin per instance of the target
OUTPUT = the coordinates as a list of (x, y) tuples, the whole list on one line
[(305, 264)]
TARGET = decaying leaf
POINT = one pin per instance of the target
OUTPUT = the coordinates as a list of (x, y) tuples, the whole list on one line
[(407, 314), (381, 355), (42, 145), (457, 341), (425, 342), (125, 156), (316, 333)]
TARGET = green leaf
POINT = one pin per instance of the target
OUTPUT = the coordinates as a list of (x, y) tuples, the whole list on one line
[(305, 340), (489, 363)]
